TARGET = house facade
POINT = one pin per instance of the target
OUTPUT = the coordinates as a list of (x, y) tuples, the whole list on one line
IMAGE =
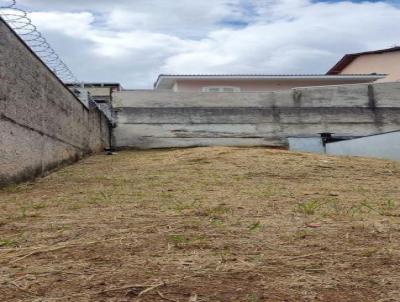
[(255, 83), (384, 61)]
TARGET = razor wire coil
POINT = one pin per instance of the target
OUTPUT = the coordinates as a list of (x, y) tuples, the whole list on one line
[(20, 22)]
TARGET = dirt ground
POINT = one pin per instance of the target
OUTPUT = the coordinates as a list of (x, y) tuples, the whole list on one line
[(204, 224)]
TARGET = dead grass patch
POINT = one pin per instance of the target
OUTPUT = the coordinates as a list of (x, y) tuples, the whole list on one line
[(204, 224)]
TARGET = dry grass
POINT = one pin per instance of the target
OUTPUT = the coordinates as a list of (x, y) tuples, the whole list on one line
[(204, 224)]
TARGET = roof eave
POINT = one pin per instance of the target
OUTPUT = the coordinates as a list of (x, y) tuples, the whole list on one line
[(167, 81)]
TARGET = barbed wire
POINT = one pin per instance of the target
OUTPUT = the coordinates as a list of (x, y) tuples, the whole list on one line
[(19, 21)]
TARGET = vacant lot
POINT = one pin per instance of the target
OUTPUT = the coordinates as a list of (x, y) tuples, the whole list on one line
[(204, 224)]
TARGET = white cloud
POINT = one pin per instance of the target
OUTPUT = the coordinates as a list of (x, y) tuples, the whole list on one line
[(125, 20), (73, 24), (133, 41), (303, 37), (182, 17)]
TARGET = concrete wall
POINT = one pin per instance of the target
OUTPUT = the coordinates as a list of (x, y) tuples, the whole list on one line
[(42, 124), (152, 119), (386, 146)]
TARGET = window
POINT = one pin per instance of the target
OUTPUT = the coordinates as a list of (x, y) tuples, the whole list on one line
[(221, 89)]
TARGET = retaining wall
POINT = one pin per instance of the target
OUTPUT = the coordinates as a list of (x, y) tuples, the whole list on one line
[(158, 119), (42, 124)]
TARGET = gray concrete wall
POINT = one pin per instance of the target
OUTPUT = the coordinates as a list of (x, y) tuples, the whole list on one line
[(157, 119), (306, 144), (42, 124), (385, 146)]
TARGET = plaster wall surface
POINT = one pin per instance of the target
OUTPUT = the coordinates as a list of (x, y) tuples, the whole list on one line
[(156, 119), (258, 85), (42, 124), (384, 63)]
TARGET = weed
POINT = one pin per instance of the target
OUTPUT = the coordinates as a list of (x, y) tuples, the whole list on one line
[(105, 197), (337, 208), (23, 213), (39, 206), (214, 212), (101, 198), (309, 207), (181, 206), (178, 240), (17, 188), (253, 298), (63, 173), (216, 221), (388, 208), (182, 241), (389, 204), (226, 255), (263, 193), (368, 207), (166, 195), (255, 226), (75, 206), (7, 242), (362, 208), (370, 251)]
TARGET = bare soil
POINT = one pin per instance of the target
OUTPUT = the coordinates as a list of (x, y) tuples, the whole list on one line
[(204, 224)]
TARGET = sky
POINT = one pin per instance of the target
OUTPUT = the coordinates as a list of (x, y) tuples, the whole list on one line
[(132, 41)]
